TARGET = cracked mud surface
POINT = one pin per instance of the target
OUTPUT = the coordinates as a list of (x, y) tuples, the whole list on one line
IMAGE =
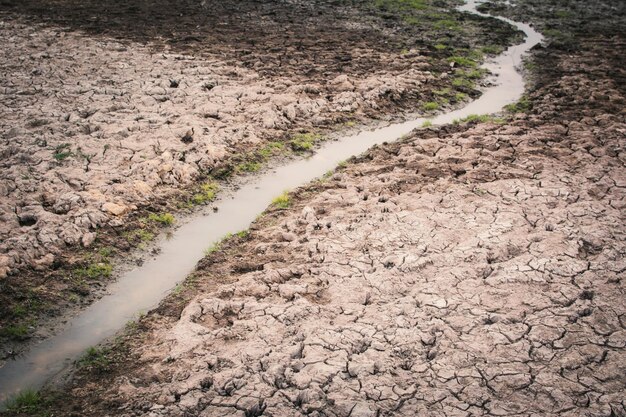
[(95, 100), (464, 271)]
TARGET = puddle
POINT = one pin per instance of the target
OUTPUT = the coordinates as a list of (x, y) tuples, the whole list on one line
[(143, 287)]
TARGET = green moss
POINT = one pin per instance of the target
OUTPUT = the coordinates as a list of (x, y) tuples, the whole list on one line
[(282, 201), (440, 46), (95, 270)]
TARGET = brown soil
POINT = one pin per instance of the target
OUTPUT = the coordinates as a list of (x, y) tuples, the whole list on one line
[(464, 271), (97, 98)]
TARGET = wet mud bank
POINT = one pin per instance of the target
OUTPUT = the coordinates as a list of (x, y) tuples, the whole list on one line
[(474, 269), (116, 116)]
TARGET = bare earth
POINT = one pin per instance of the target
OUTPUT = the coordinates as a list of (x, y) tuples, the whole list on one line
[(465, 271)]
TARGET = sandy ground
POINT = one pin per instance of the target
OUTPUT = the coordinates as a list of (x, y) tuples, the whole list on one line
[(464, 271), (95, 100)]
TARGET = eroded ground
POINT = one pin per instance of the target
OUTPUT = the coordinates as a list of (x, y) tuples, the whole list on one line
[(97, 99), (464, 271)]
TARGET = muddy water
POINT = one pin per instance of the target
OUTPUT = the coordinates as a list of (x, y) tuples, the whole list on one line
[(142, 288)]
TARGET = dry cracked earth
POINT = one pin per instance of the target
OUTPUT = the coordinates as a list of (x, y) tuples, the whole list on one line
[(470, 270), (96, 97)]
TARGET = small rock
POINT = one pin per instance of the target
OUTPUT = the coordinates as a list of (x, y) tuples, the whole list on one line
[(114, 209), (88, 239)]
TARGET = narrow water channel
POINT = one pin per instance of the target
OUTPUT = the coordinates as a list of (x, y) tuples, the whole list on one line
[(143, 287)]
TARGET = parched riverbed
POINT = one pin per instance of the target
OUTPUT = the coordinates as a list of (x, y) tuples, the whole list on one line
[(472, 269), (113, 113)]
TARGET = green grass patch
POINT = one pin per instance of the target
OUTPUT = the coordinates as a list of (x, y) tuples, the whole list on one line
[(206, 194), (249, 166), (463, 82), (479, 118), (164, 219), (460, 96), (523, 105), (283, 201), (402, 4), (427, 123), (270, 149), (430, 106), (448, 24), (95, 270), (462, 61), (303, 142), (440, 46), (15, 331), (492, 49), (95, 359)]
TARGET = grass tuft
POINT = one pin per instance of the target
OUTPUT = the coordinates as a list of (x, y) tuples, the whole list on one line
[(283, 201), (27, 401)]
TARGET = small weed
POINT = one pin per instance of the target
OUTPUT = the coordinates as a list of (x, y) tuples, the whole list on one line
[(440, 47), (427, 123), (19, 310), (430, 106), (164, 219), (217, 245), (62, 152), (282, 201)]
